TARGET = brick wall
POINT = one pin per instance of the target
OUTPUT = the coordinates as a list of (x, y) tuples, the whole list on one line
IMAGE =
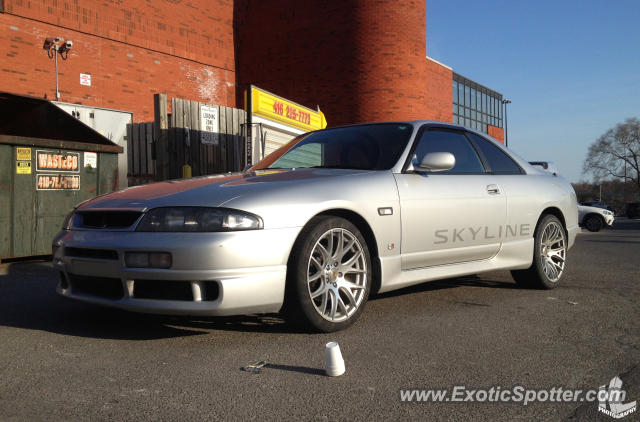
[(184, 49), (439, 93), (496, 132), (359, 60)]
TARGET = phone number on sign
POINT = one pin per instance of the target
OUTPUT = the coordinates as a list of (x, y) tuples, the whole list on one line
[(292, 113), (58, 182)]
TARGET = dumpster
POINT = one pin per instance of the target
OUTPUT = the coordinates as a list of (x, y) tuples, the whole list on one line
[(49, 162)]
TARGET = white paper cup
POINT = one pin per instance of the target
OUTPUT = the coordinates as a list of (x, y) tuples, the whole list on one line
[(333, 364)]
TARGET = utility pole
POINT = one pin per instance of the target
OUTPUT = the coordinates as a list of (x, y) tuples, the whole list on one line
[(600, 196), (506, 127)]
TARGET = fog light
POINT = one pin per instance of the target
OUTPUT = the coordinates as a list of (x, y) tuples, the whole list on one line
[(137, 259), (147, 259), (160, 260)]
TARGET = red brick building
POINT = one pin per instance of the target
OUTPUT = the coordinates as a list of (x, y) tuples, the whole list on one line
[(358, 60)]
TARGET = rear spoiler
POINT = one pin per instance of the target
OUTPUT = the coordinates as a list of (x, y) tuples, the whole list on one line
[(546, 166)]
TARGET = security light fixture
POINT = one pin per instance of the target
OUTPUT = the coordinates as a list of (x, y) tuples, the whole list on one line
[(55, 46)]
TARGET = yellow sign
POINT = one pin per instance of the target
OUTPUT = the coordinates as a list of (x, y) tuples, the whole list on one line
[(275, 108), (23, 167), (23, 154)]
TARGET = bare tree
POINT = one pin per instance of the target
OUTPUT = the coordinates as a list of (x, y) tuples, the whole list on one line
[(616, 154)]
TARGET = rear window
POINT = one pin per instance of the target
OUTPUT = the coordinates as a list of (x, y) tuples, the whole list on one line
[(499, 162), (437, 140)]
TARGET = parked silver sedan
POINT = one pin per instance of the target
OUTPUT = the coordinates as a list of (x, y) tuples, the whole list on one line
[(320, 224)]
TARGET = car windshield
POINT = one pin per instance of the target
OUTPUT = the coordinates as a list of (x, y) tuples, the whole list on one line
[(362, 147)]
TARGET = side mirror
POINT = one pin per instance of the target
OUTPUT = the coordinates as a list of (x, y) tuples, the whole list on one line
[(435, 161)]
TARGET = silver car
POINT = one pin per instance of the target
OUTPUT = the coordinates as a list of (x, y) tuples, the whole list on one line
[(320, 224)]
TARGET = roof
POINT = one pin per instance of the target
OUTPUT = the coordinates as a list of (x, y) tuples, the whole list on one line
[(38, 122)]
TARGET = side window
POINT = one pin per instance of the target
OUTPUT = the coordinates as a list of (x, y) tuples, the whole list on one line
[(499, 162), (467, 160)]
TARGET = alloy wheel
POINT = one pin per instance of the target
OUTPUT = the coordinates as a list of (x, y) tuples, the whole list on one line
[(553, 251), (337, 275)]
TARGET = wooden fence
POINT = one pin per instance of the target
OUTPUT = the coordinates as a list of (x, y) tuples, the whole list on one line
[(159, 150)]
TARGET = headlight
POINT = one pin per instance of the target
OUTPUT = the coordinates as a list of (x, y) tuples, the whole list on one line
[(198, 219), (607, 212)]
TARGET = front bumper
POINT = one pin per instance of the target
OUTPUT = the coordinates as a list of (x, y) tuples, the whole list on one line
[(229, 273), (609, 219)]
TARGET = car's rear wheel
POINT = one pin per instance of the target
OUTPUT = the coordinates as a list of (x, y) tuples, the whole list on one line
[(329, 278), (593, 223), (549, 256)]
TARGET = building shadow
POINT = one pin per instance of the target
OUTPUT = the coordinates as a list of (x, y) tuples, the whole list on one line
[(625, 224), (629, 242)]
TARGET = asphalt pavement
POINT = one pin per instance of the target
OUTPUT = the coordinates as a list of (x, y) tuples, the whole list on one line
[(65, 360)]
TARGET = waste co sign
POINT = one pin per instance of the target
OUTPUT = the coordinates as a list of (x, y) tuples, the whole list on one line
[(54, 161), (65, 164)]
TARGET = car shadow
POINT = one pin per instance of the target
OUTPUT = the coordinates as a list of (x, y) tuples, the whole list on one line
[(449, 283), (28, 300)]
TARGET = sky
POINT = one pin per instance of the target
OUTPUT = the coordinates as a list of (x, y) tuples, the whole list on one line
[(571, 68)]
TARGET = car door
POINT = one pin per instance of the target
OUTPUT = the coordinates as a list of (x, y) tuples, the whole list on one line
[(450, 216), (521, 191)]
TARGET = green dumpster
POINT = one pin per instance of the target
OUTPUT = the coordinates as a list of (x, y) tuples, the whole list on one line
[(49, 162)]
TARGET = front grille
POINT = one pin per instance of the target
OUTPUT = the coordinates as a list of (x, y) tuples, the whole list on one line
[(91, 253), (162, 290), (109, 288), (107, 219)]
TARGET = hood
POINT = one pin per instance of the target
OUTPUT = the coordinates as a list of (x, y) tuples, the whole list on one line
[(210, 191), (588, 208)]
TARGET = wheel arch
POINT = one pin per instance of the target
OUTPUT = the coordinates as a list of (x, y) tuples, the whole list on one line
[(367, 232), (555, 211)]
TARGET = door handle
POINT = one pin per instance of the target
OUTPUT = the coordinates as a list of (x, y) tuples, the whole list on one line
[(493, 189)]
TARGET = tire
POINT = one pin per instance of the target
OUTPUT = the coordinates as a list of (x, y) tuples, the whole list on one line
[(328, 286), (549, 256), (593, 223)]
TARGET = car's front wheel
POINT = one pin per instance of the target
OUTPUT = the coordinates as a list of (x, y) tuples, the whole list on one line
[(593, 223), (549, 256), (329, 278)]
